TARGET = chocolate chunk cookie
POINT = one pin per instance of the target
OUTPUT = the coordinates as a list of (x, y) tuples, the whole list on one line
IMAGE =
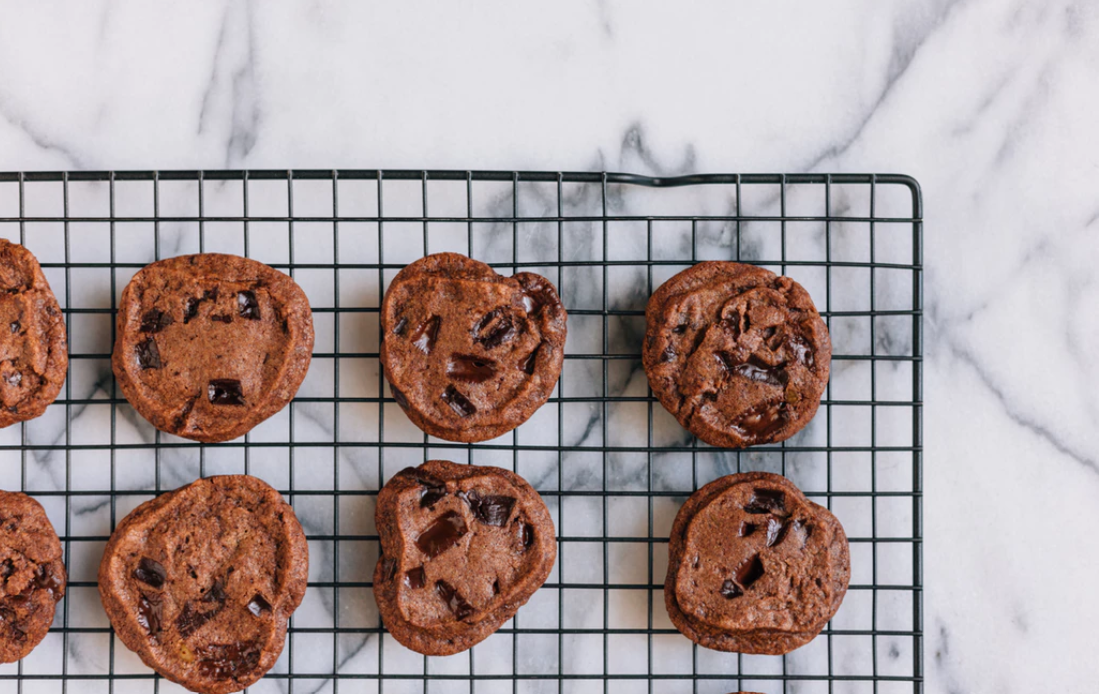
[(738, 354), (211, 345), (463, 548), (200, 582), (754, 566), (33, 352), (469, 354), (32, 575)]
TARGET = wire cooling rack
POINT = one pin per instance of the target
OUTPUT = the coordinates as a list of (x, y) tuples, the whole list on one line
[(612, 466)]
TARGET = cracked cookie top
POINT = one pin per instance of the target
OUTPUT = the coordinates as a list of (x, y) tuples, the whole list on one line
[(738, 354), (470, 354), (210, 345)]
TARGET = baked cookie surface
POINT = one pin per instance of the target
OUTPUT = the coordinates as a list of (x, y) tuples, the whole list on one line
[(201, 582), (33, 350), (754, 566), (470, 354), (32, 575), (210, 345), (463, 548), (739, 355)]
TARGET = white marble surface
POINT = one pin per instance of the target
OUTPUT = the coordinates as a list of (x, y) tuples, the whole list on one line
[(990, 103)]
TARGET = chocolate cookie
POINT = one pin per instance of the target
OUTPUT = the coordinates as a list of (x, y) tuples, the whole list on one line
[(463, 548), (738, 354), (32, 575), (200, 582), (33, 352), (211, 345), (469, 354), (754, 566)]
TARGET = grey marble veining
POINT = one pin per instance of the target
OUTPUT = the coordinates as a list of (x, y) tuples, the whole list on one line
[(989, 104)]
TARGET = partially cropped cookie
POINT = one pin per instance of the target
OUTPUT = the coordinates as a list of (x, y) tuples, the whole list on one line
[(32, 575), (200, 582), (738, 354), (470, 354), (211, 345), (754, 566), (463, 548), (33, 351)]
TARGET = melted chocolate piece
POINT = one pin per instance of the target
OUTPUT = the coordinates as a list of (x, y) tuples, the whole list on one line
[(216, 593), (222, 319), (453, 600), (402, 401), (773, 376), (150, 572), (148, 354), (228, 661), (531, 360), (155, 320), (400, 327), (802, 352), (731, 590), (776, 529), (6, 568), (225, 391), (490, 510), (745, 529), (442, 534), (749, 571), (458, 402), (190, 307), (496, 587), (537, 295), (150, 613), (389, 568), (191, 619), (801, 530), (259, 606), (49, 581), (425, 336), (762, 421), (494, 329), (470, 369), (13, 379), (767, 501), (415, 578), (526, 536), (247, 305), (14, 327)]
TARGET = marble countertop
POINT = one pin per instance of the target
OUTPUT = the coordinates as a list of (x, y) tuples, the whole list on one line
[(989, 104)]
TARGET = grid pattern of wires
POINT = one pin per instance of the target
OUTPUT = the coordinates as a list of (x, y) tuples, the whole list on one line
[(612, 466)]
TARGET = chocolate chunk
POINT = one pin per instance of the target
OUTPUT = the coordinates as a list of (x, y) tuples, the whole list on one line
[(430, 495), (415, 578), (6, 568), (190, 307), (14, 378), (148, 355), (681, 328), (531, 360), (802, 351), (749, 571), (150, 613), (225, 391), (14, 327), (458, 402), (470, 369), (150, 572), (442, 534), (49, 581), (389, 568), (767, 501), (259, 606), (155, 320), (526, 535), (773, 376), (762, 422), (730, 589), (216, 594), (425, 336), (668, 354), (228, 661), (776, 529), (190, 619), (490, 510), (226, 318), (537, 295), (453, 600), (496, 587), (247, 305), (494, 329), (745, 529), (402, 401), (400, 327)]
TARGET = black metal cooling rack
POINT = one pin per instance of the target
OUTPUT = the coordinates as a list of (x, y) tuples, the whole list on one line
[(612, 466)]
